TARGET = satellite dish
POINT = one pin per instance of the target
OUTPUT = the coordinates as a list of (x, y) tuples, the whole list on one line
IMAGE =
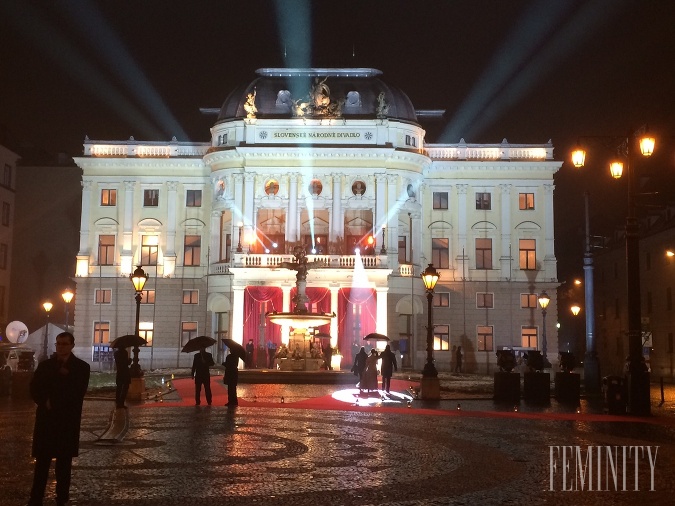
[(17, 332)]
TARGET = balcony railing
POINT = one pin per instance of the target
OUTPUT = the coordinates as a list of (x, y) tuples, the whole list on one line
[(253, 260)]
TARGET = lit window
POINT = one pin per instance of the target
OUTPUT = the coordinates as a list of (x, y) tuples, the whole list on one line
[(193, 198), (108, 197), (151, 198), (526, 201), (440, 253), (528, 337), (190, 296), (192, 251), (145, 330), (441, 299), (485, 337), (528, 300), (440, 200), (101, 332), (485, 300), (148, 297), (188, 330), (483, 253), (441, 337), (528, 254), (106, 250), (103, 296), (149, 249), (483, 201)]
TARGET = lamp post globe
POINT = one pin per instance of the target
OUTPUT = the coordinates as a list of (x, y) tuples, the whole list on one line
[(67, 297), (47, 306), (430, 387)]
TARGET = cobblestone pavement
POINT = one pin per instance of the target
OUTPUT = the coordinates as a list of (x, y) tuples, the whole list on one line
[(280, 456)]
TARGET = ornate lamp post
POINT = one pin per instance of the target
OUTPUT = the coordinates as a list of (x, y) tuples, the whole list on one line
[(383, 251), (67, 297), (138, 278), (430, 388), (544, 299), (240, 225), (639, 402), (47, 307)]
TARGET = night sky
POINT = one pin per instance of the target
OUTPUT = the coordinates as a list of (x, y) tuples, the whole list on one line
[(527, 71)]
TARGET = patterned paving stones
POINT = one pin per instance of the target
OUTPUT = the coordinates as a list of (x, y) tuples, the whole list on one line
[(276, 455)]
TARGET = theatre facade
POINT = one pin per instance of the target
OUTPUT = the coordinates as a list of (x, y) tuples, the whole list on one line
[(333, 161)]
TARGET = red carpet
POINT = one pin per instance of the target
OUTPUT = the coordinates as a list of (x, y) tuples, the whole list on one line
[(344, 399)]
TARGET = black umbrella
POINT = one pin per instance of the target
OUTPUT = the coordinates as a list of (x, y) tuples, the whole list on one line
[(236, 348), (128, 341), (197, 343), (374, 336), (322, 335)]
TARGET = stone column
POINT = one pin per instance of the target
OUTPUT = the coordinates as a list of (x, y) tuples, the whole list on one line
[(238, 314), (505, 257)]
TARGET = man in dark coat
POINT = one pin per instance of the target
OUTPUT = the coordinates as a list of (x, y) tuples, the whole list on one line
[(250, 349), (58, 388), (202, 375), (388, 366), (360, 365), (122, 377), (231, 378)]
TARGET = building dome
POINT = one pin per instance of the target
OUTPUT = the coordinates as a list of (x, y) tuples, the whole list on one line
[(349, 93)]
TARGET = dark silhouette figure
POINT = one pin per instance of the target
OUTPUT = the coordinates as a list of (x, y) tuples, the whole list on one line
[(271, 354), (58, 388), (360, 365), (122, 377), (250, 349), (388, 367), (5, 377), (458, 359), (231, 377), (328, 357), (202, 376)]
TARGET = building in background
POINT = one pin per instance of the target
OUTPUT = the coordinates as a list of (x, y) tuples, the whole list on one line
[(334, 161), (8, 162)]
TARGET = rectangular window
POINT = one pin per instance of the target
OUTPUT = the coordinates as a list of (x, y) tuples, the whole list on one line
[(103, 296), (526, 201), (440, 200), (148, 297), (106, 250), (485, 300), (188, 330), (483, 201), (528, 254), (441, 337), (108, 197), (149, 249), (193, 198), (3, 256), (402, 249), (483, 253), (440, 253), (441, 299), (145, 330), (7, 176), (101, 332), (190, 296), (485, 337), (151, 198), (528, 337), (6, 209), (528, 300), (193, 250)]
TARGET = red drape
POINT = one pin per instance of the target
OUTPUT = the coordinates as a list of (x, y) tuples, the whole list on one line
[(257, 301), (350, 339)]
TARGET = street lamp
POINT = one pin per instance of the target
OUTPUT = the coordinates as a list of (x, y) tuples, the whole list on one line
[(47, 307), (138, 278), (67, 297), (639, 402), (576, 309), (430, 388), (544, 299), (240, 225)]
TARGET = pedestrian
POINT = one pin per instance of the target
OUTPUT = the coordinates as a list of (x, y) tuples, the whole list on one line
[(360, 366), (458, 359), (122, 376), (202, 376), (370, 374), (250, 348), (328, 357), (388, 366), (58, 388), (231, 378), (271, 353)]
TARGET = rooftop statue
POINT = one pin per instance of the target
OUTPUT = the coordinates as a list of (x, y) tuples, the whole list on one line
[(249, 106)]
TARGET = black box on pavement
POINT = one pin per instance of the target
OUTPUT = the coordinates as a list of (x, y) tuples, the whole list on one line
[(507, 387), (568, 387), (537, 387)]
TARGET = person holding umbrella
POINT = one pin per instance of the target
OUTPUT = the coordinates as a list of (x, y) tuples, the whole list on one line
[(360, 366), (200, 372), (231, 378), (122, 376)]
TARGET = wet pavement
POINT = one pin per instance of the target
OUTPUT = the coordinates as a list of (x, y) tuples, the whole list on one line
[(268, 453)]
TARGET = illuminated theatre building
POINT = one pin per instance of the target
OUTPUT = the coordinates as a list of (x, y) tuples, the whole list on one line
[(333, 160)]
